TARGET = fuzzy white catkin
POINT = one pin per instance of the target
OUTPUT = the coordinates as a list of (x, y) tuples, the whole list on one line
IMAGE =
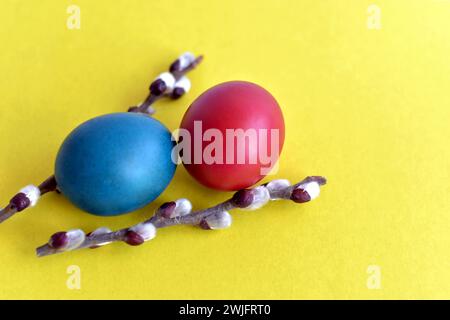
[(312, 188), (186, 59), (100, 231), (32, 193), (145, 229), (220, 220), (75, 238), (260, 197), (168, 79), (182, 207), (278, 185), (184, 83)]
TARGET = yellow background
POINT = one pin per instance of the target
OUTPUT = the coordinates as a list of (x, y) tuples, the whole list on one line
[(369, 109)]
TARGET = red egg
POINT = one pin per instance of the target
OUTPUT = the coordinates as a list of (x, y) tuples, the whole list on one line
[(232, 135)]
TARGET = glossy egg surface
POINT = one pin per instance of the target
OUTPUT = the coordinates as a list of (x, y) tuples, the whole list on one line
[(115, 163), (236, 106)]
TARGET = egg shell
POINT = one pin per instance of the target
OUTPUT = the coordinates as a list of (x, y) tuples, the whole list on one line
[(115, 163), (233, 105)]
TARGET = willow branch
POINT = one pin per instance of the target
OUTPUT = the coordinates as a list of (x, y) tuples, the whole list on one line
[(172, 84), (27, 197), (180, 212)]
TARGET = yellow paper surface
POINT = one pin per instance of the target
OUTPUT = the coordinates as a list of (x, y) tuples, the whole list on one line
[(366, 96)]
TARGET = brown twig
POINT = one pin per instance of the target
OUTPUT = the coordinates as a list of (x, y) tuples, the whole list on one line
[(179, 212)]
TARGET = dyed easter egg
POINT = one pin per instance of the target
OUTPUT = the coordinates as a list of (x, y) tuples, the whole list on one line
[(232, 135), (116, 163)]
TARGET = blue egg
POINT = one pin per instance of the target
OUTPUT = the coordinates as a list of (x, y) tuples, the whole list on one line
[(116, 163)]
